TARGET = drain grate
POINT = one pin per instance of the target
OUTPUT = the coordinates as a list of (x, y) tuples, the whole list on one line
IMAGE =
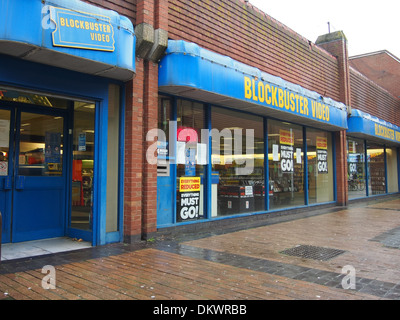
[(313, 252)]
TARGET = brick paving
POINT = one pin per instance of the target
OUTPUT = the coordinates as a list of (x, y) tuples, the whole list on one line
[(247, 264)]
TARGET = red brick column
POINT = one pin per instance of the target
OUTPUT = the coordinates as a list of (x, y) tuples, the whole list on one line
[(133, 156), (150, 121), (140, 192), (336, 44)]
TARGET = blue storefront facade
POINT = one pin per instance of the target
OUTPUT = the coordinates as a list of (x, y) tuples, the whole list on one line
[(372, 156), (80, 154), (240, 142), (63, 65), (236, 142)]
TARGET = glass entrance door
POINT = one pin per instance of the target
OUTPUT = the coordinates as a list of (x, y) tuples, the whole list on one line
[(33, 175)]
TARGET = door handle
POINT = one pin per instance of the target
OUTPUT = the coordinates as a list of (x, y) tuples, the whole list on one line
[(20, 183)]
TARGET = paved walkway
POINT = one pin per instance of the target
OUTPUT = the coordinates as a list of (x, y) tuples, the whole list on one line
[(285, 259)]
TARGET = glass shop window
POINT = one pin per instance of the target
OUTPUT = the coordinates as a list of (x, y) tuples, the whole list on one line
[(376, 168), (164, 118), (237, 163), (286, 164), (393, 177), (320, 166), (356, 168), (191, 160)]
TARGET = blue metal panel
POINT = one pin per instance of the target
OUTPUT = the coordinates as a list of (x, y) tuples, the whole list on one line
[(26, 74), (188, 65), (101, 139), (6, 188), (38, 206), (165, 190)]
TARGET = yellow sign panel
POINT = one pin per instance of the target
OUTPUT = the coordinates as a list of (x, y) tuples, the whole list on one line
[(286, 137), (189, 184), (82, 30), (322, 143)]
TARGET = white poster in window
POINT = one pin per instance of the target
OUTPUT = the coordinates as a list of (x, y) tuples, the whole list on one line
[(248, 191), (180, 152), (286, 158), (201, 153), (322, 161), (275, 152), (298, 155), (4, 133), (3, 168)]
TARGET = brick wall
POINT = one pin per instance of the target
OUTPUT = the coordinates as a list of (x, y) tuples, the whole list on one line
[(126, 8), (367, 96), (234, 28), (381, 67)]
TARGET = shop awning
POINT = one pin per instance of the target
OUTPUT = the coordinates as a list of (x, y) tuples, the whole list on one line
[(190, 71), (69, 34), (363, 125)]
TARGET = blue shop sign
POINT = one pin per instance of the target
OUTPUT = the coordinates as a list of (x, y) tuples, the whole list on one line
[(82, 30), (71, 34), (364, 125), (190, 71)]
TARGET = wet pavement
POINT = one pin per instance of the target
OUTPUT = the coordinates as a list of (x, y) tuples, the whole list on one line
[(334, 253)]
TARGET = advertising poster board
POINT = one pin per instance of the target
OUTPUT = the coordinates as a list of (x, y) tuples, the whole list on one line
[(188, 199)]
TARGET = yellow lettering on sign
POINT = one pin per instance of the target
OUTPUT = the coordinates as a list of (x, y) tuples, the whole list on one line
[(322, 143), (189, 184), (261, 92), (85, 25), (320, 111), (254, 87), (398, 136), (280, 98), (247, 87), (275, 96), (268, 94), (385, 132), (286, 137)]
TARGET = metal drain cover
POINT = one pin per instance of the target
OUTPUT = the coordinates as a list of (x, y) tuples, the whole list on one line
[(313, 252)]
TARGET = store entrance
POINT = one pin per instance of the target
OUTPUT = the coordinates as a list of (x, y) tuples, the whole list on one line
[(32, 172), (47, 152)]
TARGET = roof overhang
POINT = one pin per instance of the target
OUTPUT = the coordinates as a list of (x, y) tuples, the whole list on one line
[(190, 71), (69, 34)]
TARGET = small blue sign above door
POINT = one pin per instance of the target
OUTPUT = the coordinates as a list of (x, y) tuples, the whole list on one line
[(82, 30)]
